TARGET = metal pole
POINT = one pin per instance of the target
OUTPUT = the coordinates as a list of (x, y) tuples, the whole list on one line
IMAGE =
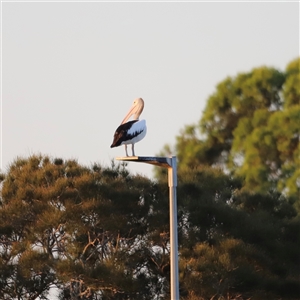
[(170, 163), (174, 281)]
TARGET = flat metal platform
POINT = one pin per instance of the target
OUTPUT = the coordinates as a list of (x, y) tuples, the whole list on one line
[(165, 162)]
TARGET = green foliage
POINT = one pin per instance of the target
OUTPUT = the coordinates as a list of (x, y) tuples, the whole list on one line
[(291, 89), (239, 172), (82, 229), (235, 245), (101, 233), (250, 127), (271, 159)]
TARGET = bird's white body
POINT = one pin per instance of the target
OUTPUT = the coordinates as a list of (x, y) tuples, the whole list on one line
[(138, 131)]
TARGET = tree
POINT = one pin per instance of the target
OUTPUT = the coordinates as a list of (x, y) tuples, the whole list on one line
[(101, 233), (84, 230), (238, 190), (235, 244), (250, 126)]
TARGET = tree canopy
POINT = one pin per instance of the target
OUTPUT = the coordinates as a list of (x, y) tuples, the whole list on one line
[(84, 230), (250, 127), (102, 233)]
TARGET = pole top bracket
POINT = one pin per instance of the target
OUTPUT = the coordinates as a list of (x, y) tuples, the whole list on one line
[(160, 161)]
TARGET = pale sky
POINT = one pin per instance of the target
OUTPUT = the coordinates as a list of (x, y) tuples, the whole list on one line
[(71, 70)]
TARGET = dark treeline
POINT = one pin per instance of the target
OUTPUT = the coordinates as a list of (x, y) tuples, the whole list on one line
[(101, 233)]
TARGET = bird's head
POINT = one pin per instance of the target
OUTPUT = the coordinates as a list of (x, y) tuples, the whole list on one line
[(135, 110)]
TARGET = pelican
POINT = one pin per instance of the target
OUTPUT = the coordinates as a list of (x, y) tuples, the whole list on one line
[(133, 131)]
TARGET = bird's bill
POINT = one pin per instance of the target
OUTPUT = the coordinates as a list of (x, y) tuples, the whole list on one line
[(131, 112), (136, 109)]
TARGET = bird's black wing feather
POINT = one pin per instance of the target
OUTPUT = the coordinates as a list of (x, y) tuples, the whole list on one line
[(120, 134)]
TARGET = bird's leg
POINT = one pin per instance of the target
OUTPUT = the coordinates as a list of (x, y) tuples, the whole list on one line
[(126, 150), (133, 150)]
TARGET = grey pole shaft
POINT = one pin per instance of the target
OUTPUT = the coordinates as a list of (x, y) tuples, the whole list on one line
[(174, 280)]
